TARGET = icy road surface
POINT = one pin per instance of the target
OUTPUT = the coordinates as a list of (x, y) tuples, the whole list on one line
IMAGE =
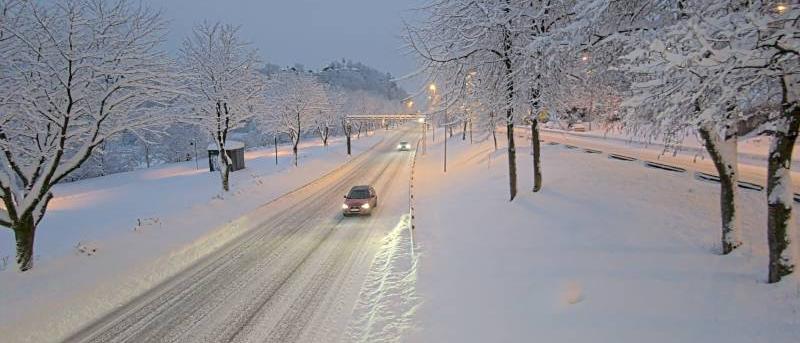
[(294, 278)]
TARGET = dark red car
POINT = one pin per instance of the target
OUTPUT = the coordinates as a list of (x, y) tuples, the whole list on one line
[(360, 200)]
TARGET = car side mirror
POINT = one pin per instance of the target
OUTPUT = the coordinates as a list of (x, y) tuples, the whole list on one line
[(345, 197)]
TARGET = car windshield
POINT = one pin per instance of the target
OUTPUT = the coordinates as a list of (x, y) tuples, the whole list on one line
[(358, 194)]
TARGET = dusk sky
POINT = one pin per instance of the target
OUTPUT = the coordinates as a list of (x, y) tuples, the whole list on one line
[(310, 32)]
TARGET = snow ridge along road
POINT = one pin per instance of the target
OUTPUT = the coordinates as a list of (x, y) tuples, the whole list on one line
[(293, 278)]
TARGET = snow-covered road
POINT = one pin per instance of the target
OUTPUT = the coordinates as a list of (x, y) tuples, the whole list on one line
[(294, 278)]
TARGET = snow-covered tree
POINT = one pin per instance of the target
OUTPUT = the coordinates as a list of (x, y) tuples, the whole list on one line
[(458, 37), (337, 102), (349, 76), (223, 85), (328, 116), (717, 69), (294, 100), (762, 57), (72, 75)]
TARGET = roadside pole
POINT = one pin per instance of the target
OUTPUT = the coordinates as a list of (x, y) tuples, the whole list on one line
[(196, 163), (446, 126)]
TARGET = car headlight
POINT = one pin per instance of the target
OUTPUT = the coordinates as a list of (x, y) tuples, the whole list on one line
[(365, 206), (344, 206)]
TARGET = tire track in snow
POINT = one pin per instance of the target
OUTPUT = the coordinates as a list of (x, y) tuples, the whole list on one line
[(190, 299), (301, 315)]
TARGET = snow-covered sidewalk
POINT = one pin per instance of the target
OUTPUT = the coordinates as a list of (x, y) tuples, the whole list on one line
[(608, 251), (107, 239)]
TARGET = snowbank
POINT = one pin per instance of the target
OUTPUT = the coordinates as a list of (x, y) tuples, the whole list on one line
[(608, 251)]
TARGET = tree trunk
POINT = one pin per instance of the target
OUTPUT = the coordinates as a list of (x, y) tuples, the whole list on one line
[(779, 193), (512, 160), (147, 154), (512, 153), (348, 130), (226, 173), (724, 155), (24, 232), (494, 136), (276, 149), (294, 150), (325, 137), (470, 131), (464, 132), (537, 161)]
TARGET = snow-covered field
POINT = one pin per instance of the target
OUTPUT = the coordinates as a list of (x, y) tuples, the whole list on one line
[(608, 251), (107, 239)]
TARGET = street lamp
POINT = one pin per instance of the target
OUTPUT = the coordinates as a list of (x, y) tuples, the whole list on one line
[(780, 8), (421, 121), (431, 104)]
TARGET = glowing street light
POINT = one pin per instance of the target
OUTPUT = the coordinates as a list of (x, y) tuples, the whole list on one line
[(432, 88), (585, 57), (421, 120), (781, 8), (410, 104)]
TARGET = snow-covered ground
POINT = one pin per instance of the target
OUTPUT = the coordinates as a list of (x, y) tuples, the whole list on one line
[(608, 251), (107, 239)]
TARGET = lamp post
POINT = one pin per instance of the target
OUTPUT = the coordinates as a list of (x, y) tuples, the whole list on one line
[(432, 88), (422, 123), (446, 126), (275, 137)]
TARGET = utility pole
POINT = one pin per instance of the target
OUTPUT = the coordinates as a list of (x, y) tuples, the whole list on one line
[(423, 124), (196, 163), (348, 131), (276, 148), (446, 125)]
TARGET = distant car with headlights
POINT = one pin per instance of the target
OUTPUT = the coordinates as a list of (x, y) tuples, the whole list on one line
[(404, 146), (360, 200), (579, 127)]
